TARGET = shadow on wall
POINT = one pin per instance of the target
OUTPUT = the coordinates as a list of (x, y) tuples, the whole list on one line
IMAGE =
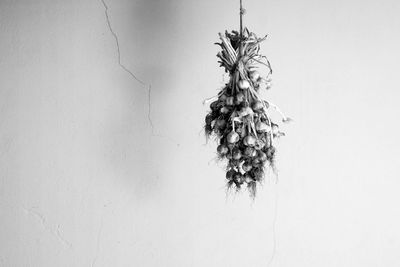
[(131, 151)]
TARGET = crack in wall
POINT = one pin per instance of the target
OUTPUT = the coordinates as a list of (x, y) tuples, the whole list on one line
[(61, 238), (118, 48), (55, 232), (98, 244), (149, 112), (125, 68), (149, 117)]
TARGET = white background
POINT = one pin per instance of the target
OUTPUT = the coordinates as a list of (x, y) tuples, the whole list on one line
[(86, 181)]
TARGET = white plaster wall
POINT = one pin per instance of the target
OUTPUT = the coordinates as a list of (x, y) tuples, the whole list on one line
[(86, 181)]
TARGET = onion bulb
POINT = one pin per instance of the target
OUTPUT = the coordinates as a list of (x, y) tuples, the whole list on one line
[(249, 140), (260, 144), (229, 101), (262, 156), (271, 152), (258, 175), (245, 111), (275, 128), (238, 177), (220, 123), (248, 179), (209, 119), (243, 84), (232, 137), (236, 154), (214, 105), (256, 162), (222, 97), (222, 149), (230, 174), (254, 76), (249, 151), (262, 127), (224, 110), (258, 105), (239, 98), (246, 167)]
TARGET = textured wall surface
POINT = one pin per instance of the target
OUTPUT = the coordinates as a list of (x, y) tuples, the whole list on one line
[(96, 169)]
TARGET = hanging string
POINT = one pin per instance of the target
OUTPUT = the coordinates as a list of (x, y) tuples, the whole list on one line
[(242, 12), (241, 19)]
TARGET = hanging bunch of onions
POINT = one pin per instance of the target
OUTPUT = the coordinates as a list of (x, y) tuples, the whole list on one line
[(239, 117)]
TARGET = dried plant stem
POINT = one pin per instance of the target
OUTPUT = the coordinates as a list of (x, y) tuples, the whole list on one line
[(284, 118)]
